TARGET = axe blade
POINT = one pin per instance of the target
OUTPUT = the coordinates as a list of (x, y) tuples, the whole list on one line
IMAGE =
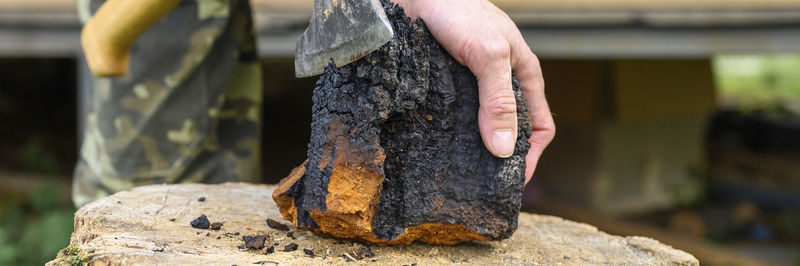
[(341, 30)]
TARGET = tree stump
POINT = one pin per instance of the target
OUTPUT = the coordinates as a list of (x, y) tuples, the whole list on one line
[(152, 225)]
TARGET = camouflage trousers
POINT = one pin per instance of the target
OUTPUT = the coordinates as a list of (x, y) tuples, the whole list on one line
[(189, 110)]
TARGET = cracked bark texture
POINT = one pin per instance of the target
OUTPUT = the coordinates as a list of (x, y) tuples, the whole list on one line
[(395, 154)]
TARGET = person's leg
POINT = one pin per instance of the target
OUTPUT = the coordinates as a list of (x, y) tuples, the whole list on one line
[(174, 116), (237, 150)]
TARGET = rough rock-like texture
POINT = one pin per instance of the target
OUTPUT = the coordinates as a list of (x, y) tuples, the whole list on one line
[(150, 226), (396, 156)]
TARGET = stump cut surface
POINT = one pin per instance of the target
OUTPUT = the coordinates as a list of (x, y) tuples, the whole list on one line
[(151, 225)]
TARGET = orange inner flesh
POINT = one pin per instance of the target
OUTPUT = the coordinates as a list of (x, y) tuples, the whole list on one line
[(353, 195), (284, 202)]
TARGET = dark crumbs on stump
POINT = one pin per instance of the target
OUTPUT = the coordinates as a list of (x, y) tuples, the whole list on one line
[(277, 225), (290, 247), (201, 222)]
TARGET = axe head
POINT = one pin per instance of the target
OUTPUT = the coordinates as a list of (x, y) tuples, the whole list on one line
[(342, 31)]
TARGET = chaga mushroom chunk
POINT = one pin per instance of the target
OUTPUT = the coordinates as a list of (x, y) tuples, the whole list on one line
[(395, 154)]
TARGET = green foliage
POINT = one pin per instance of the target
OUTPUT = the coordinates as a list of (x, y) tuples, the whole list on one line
[(788, 224), (8, 252), (797, 259), (37, 158), (759, 81), (32, 231), (45, 236), (43, 198)]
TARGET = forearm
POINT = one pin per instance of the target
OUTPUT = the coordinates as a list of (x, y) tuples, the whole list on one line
[(108, 36)]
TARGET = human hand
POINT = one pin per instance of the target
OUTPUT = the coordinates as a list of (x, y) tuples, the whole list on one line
[(482, 37)]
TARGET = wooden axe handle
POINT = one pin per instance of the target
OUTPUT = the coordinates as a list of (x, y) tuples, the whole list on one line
[(108, 36)]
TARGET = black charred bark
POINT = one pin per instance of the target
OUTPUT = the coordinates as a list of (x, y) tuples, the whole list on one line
[(411, 100)]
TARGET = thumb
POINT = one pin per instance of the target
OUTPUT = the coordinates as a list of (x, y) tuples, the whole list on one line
[(497, 116)]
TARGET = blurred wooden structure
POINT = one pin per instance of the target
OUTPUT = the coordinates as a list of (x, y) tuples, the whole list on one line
[(629, 132), (555, 28)]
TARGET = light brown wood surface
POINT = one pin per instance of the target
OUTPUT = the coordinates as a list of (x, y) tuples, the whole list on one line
[(151, 226)]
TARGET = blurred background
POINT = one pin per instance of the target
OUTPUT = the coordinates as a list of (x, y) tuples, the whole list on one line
[(678, 120)]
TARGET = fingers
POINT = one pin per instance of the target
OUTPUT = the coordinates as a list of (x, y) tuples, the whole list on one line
[(490, 61), (529, 74), (542, 134), (486, 40)]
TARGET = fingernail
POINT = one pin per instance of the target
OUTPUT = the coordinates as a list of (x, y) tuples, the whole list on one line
[(503, 142)]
